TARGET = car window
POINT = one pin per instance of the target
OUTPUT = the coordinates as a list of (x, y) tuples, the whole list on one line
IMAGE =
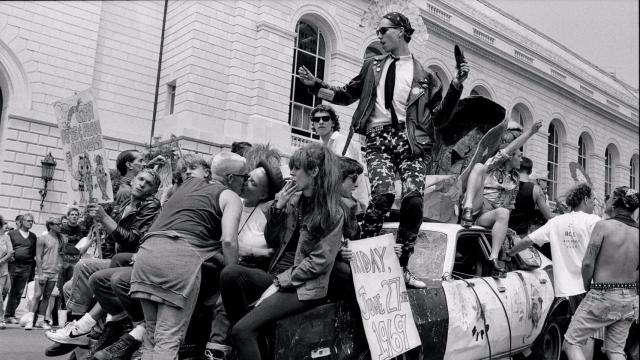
[(427, 261), (471, 256)]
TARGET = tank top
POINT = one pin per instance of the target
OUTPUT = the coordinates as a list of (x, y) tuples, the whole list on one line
[(193, 209), (524, 212)]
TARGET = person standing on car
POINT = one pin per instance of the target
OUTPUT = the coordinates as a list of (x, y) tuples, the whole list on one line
[(568, 234), (610, 272), (400, 105)]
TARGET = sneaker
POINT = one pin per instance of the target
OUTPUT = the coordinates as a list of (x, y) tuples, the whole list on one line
[(69, 334), (43, 325), (3, 325), (412, 281), (28, 326), (11, 320), (467, 218), (120, 350), (217, 352), (59, 349)]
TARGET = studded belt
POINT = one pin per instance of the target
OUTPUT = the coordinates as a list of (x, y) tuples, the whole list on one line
[(607, 286)]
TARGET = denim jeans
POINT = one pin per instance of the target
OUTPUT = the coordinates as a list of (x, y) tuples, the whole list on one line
[(81, 294), (220, 326), (615, 309)]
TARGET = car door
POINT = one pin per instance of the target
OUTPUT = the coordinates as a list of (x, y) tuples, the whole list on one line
[(490, 316)]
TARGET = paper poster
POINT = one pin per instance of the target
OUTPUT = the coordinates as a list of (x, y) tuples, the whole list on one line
[(382, 298), (87, 173)]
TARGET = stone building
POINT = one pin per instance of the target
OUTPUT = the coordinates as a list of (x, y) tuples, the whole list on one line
[(227, 75)]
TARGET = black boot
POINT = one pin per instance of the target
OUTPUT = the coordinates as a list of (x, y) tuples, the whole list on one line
[(467, 218), (113, 330), (120, 350)]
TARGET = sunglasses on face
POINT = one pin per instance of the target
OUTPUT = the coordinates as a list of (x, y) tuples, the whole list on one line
[(243, 176), (383, 29), (326, 118)]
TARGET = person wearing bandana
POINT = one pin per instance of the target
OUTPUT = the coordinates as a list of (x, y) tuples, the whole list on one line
[(610, 273), (400, 106)]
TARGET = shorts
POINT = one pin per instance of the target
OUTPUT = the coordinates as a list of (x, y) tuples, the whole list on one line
[(46, 277), (615, 309)]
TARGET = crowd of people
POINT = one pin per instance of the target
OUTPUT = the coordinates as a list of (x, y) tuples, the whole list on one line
[(235, 244)]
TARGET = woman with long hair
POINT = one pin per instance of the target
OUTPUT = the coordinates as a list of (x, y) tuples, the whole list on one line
[(307, 217)]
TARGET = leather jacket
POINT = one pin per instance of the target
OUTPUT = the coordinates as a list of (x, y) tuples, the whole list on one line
[(426, 109), (314, 256), (131, 227)]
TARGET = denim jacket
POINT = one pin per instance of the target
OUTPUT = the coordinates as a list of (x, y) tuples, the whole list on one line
[(314, 257)]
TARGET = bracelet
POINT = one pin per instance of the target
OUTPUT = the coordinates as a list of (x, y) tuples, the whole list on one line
[(276, 282), (275, 209)]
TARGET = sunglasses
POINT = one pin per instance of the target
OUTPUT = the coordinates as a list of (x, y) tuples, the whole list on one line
[(353, 177), (325, 118), (57, 224), (243, 176), (383, 29)]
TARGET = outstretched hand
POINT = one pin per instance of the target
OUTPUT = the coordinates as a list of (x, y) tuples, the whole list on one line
[(462, 74), (536, 126), (306, 76)]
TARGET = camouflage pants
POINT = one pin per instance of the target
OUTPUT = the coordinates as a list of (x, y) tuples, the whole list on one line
[(388, 153)]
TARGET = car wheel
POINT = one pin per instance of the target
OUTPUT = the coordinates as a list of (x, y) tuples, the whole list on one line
[(548, 346)]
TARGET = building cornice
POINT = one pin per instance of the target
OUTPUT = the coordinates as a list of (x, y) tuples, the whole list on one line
[(525, 45), (468, 41)]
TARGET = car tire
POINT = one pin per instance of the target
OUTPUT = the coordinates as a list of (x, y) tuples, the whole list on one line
[(548, 345)]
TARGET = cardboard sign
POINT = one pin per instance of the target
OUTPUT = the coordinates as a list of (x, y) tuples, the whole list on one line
[(81, 135), (382, 297)]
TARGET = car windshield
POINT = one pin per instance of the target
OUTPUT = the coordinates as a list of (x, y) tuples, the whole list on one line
[(427, 261)]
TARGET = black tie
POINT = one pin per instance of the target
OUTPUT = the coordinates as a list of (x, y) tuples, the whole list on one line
[(389, 85)]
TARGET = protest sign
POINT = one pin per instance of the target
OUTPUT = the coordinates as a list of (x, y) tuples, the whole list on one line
[(83, 149), (382, 298)]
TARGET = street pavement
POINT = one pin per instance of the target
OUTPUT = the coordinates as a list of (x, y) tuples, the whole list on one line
[(19, 344)]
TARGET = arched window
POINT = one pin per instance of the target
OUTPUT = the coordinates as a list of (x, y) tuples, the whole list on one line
[(633, 172), (582, 153), (442, 75), (374, 49), (608, 171), (481, 91), (553, 158), (522, 115), (309, 51)]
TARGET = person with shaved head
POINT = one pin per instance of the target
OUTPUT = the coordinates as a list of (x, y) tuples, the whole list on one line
[(198, 224)]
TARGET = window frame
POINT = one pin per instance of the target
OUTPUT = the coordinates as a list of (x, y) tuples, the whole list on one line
[(553, 161)]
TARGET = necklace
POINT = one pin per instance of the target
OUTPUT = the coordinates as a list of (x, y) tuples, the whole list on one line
[(248, 217)]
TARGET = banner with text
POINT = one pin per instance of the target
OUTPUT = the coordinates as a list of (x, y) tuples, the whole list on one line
[(81, 135), (382, 297)]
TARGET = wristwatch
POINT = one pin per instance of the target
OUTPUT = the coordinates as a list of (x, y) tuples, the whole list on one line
[(276, 282)]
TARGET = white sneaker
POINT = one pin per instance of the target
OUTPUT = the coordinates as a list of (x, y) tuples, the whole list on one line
[(3, 325), (412, 281), (69, 334), (28, 326), (43, 325)]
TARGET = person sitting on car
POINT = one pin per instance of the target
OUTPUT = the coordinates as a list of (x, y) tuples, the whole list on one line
[(308, 217), (492, 186)]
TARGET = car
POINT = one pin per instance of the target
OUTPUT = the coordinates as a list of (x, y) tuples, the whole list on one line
[(464, 313)]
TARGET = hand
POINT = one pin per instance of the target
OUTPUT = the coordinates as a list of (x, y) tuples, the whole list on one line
[(346, 253), (157, 161), (286, 193), (270, 291), (96, 211), (133, 258), (397, 248), (536, 126), (306, 76), (461, 74)]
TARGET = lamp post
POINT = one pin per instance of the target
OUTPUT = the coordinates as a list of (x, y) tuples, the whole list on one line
[(48, 168)]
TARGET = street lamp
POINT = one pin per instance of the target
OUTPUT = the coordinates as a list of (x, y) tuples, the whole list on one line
[(48, 167)]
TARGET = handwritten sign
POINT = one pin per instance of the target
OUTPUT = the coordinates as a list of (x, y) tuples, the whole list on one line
[(382, 297), (81, 135)]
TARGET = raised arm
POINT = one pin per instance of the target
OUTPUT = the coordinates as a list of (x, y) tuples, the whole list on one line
[(590, 257), (522, 139), (339, 95), (541, 202)]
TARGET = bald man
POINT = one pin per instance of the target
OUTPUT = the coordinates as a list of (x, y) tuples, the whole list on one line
[(230, 169)]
